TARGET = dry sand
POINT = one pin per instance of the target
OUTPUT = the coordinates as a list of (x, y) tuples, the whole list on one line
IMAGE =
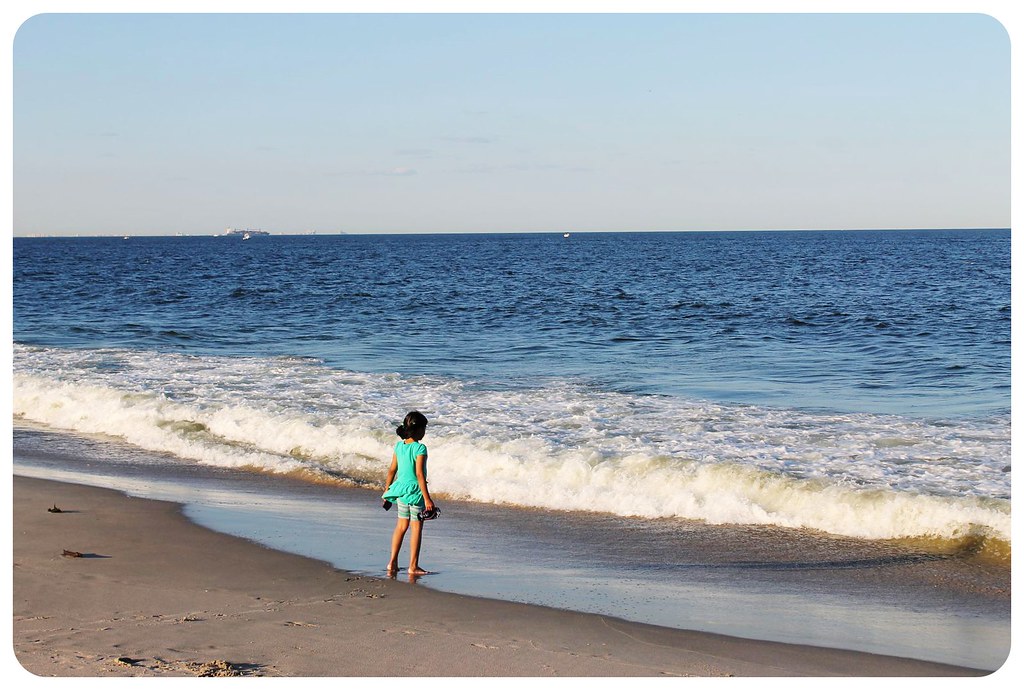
[(152, 594)]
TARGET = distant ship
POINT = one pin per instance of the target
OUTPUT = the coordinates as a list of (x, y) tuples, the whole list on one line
[(565, 235), (246, 233)]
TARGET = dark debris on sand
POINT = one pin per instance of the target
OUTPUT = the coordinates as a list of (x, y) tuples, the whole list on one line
[(220, 668)]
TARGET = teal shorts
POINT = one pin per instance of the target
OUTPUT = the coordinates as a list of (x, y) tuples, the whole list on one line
[(409, 512)]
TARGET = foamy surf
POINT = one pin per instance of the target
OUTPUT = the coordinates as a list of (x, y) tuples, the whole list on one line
[(562, 446)]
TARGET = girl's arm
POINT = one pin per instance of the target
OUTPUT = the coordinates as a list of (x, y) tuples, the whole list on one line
[(391, 472), (421, 477)]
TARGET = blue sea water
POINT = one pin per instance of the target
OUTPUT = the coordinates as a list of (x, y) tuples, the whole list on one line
[(854, 384), (731, 377), (912, 323)]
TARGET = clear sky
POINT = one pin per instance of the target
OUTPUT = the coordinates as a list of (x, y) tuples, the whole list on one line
[(158, 124)]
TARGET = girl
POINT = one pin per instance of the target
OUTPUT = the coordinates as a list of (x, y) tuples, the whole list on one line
[(408, 489)]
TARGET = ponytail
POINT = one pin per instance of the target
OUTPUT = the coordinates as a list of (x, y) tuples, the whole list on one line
[(414, 425)]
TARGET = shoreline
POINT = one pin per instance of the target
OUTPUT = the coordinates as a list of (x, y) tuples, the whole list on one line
[(155, 594)]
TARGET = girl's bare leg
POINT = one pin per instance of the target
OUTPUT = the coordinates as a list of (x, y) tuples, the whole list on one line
[(414, 548), (396, 544)]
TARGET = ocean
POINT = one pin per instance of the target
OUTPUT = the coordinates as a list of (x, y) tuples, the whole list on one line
[(735, 420)]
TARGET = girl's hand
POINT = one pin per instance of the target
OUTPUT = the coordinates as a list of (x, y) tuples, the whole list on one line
[(428, 504)]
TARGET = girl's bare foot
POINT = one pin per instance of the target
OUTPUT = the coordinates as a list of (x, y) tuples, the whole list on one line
[(418, 571), (392, 569)]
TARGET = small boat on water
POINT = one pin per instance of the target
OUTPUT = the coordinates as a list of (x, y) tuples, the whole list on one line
[(565, 235), (246, 236)]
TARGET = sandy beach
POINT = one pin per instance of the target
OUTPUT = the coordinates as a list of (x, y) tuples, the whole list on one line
[(120, 586)]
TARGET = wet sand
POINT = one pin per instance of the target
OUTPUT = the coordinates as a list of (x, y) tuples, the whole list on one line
[(152, 594)]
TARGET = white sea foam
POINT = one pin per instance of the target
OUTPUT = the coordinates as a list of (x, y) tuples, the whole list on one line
[(562, 446)]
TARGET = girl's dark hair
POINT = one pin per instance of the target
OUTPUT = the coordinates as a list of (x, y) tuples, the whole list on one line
[(414, 423)]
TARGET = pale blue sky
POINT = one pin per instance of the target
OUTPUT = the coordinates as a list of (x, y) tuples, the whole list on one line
[(157, 124)]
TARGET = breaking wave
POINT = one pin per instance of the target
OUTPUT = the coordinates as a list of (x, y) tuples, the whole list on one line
[(563, 446)]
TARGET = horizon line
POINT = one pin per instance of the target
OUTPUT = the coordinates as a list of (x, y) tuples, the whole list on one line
[(335, 233)]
